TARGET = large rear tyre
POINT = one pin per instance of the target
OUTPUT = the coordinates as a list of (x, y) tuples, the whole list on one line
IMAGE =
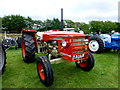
[(28, 48), (2, 59), (45, 71), (86, 65), (96, 44)]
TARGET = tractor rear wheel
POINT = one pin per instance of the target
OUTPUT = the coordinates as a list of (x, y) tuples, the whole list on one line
[(2, 58), (96, 44), (28, 48), (86, 65), (45, 71)]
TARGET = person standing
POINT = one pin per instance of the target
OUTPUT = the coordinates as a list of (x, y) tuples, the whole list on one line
[(80, 30)]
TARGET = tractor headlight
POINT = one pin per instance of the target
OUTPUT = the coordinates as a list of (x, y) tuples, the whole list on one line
[(63, 43), (86, 40)]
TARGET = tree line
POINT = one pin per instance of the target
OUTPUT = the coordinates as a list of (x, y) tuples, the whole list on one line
[(15, 23)]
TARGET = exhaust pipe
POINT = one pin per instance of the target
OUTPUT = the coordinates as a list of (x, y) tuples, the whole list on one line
[(62, 23)]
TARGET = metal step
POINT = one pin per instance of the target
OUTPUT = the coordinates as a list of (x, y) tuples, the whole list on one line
[(57, 60)]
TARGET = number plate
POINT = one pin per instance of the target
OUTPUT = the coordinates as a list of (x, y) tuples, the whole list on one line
[(78, 56)]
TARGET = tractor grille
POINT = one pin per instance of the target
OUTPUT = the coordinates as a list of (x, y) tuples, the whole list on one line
[(79, 43), (79, 39), (75, 52)]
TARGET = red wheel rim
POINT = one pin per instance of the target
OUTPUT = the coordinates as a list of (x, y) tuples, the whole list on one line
[(83, 64), (41, 71), (23, 48)]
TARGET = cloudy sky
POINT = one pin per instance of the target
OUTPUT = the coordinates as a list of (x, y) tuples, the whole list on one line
[(76, 10)]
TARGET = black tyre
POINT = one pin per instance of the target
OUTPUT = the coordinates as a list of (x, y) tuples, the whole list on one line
[(108, 49), (87, 64), (96, 44), (28, 48), (19, 42), (2, 58), (45, 71), (16, 46)]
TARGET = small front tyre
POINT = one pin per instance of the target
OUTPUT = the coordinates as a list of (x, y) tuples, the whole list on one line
[(45, 71), (86, 65)]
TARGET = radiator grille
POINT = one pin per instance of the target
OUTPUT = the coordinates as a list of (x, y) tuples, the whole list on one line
[(80, 43), (75, 52)]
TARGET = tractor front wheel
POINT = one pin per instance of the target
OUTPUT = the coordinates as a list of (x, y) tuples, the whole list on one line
[(44, 70), (86, 65)]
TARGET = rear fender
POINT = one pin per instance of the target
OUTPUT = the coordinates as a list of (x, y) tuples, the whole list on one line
[(105, 38)]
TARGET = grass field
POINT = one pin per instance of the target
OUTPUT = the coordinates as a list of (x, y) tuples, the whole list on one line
[(19, 74)]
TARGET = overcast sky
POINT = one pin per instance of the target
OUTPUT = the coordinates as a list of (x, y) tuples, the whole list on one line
[(76, 10)]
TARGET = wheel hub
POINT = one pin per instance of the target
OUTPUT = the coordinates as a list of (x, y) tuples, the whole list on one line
[(41, 71), (93, 45), (83, 63)]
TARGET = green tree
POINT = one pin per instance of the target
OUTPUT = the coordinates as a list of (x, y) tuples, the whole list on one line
[(29, 22), (48, 24), (37, 24), (85, 27), (13, 23), (0, 24), (118, 27), (76, 25), (69, 24), (109, 26), (51, 24), (104, 27), (96, 26), (55, 23)]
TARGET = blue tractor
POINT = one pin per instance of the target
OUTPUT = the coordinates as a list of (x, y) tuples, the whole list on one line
[(100, 43)]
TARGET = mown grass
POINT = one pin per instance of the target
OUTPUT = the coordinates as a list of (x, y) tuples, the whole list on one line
[(19, 74)]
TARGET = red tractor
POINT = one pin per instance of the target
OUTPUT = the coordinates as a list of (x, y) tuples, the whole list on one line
[(70, 45)]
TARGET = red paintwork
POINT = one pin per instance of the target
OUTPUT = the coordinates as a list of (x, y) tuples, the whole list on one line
[(36, 44), (84, 64), (51, 36), (69, 37), (23, 48), (41, 71), (28, 30)]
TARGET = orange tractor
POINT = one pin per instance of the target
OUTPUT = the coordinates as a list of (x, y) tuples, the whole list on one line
[(70, 45)]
